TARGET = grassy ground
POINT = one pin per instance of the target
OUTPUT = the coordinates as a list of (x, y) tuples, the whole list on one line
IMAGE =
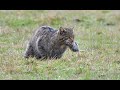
[(97, 32)]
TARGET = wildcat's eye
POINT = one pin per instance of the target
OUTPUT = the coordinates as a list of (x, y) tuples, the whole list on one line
[(70, 39)]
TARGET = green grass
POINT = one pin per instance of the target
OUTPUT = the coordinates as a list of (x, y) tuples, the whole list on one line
[(97, 32)]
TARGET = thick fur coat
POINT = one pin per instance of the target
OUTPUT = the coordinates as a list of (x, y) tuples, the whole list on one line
[(47, 42)]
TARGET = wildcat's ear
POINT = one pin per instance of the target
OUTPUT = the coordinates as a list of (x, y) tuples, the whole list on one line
[(62, 30)]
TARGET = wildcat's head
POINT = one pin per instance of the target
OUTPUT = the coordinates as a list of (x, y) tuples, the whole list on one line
[(66, 36)]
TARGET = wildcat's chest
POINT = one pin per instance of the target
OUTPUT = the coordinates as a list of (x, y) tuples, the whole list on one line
[(58, 51)]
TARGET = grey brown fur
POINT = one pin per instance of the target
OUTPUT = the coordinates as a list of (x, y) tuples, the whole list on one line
[(49, 43)]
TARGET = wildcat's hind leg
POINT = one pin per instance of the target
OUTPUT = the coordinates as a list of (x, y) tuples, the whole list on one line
[(29, 51)]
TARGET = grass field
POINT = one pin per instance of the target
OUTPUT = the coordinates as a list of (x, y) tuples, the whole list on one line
[(97, 33)]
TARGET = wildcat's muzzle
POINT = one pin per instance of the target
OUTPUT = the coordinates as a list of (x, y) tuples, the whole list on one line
[(74, 47)]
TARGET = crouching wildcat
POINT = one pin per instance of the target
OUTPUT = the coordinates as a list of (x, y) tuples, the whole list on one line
[(47, 42)]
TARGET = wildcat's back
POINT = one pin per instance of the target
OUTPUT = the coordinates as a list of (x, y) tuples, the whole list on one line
[(42, 32)]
